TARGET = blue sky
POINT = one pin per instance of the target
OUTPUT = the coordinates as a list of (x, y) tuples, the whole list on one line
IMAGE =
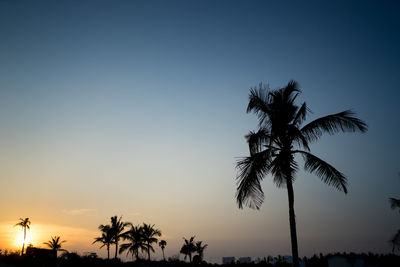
[(137, 108)]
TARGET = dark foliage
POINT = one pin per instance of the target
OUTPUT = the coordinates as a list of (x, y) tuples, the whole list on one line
[(73, 259)]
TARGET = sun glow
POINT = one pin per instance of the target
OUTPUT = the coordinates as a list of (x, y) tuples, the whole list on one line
[(20, 239)]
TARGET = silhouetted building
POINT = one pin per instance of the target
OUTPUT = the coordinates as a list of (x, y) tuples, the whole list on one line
[(40, 253), (245, 259), (344, 261), (228, 260)]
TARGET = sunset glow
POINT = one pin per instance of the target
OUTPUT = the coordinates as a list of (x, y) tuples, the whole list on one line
[(20, 239)]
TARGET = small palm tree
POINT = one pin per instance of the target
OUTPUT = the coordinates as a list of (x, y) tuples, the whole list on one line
[(117, 227), (188, 248), (162, 245), (106, 238), (55, 244), (279, 138), (200, 249), (149, 237), (134, 236), (24, 224)]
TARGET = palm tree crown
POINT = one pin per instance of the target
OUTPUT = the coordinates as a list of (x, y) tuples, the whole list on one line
[(149, 237), (134, 236), (55, 244), (24, 224), (106, 238), (279, 138), (117, 227), (200, 248), (162, 245), (188, 248)]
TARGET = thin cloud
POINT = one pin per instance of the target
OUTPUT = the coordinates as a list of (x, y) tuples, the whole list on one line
[(79, 211)]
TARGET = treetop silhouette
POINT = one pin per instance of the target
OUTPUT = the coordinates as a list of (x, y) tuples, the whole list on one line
[(279, 138)]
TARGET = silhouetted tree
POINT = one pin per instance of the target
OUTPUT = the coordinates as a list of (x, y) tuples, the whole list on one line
[(106, 238), (395, 241), (134, 236), (200, 249), (55, 244), (162, 245), (279, 138), (24, 224), (188, 248), (149, 237), (117, 227), (394, 203)]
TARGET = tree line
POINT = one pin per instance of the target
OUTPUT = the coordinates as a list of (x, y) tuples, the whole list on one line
[(141, 238), (137, 238)]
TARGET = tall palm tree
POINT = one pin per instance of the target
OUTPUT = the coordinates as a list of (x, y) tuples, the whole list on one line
[(188, 248), (55, 244), (117, 227), (149, 237), (200, 249), (279, 138), (24, 224), (162, 245), (135, 241), (106, 238)]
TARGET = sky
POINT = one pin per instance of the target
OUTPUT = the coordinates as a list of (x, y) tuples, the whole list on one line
[(138, 109)]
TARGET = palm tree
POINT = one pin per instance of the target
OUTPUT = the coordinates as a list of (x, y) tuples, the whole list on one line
[(136, 242), (200, 249), (188, 248), (395, 241), (162, 245), (106, 238), (149, 237), (279, 138), (24, 224), (55, 244), (117, 227)]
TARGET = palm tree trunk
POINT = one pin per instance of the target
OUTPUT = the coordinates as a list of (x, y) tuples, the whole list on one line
[(23, 244), (292, 222), (108, 252), (116, 248), (148, 251), (163, 254)]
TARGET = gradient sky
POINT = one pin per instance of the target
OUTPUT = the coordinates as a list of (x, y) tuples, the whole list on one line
[(137, 108)]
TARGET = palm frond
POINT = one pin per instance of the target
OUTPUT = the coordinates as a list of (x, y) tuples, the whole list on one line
[(124, 247), (394, 203), (298, 137), (331, 124), (301, 114), (251, 172), (325, 171), (256, 140), (258, 102), (288, 92)]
